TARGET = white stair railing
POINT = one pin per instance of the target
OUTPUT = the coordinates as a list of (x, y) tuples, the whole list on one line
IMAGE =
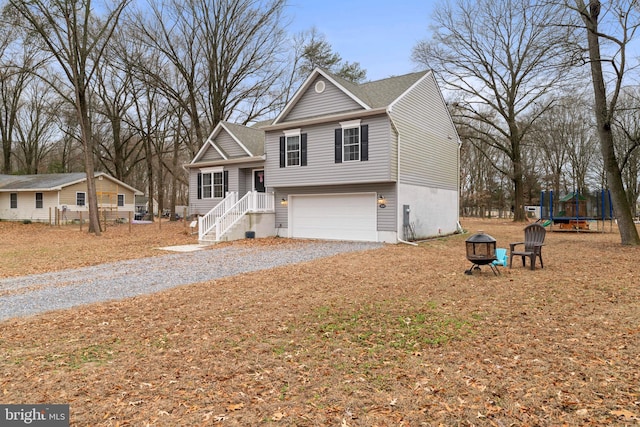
[(253, 201), (231, 210), (207, 222)]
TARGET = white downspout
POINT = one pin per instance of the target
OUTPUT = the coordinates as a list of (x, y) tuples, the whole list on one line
[(393, 125)]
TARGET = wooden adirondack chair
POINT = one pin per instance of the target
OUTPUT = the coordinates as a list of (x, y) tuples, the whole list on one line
[(534, 235)]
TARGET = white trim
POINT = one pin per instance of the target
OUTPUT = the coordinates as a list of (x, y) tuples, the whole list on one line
[(212, 169), (253, 178), (320, 86), (291, 132), (233, 136), (294, 133), (305, 86), (350, 124)]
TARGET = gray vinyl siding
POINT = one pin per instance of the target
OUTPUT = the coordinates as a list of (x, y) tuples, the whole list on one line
[(229, 145), (312, 104), (321, 167), (210, 154), (386, 218), (428, 140), (240, 177)]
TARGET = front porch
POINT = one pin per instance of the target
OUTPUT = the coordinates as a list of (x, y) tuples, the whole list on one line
[(232, 218)]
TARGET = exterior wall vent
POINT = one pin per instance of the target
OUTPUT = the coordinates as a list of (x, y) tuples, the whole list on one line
[(320, 86)]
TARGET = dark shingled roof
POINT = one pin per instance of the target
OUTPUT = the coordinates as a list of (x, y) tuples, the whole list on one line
[(48, 181)]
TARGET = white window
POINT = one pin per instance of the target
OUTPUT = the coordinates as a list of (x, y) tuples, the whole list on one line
[(218, 185), (212, 184), (120, 200), (350, 140), (293, 147), (81, 198)]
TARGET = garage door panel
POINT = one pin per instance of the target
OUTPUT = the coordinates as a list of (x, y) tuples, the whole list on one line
[(342, 217)]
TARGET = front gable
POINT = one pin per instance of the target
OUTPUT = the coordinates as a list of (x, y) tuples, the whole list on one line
[(228, 141), (321, 95)]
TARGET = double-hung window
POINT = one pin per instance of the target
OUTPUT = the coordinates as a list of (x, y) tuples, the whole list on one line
[(39, 201), (120, 200), (80, 198), (293, 148), (14, 200), (351, 142), (212, 184)]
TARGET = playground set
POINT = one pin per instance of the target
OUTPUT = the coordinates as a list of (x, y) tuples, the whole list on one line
[(576, 212)]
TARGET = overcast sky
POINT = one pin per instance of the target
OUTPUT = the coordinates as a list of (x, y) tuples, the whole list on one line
[(379, 34)]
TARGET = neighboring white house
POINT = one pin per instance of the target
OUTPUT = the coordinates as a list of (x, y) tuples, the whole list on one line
[(377, 161), (42, 197)]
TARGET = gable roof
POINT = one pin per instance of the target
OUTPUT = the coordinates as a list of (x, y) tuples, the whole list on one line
[(250, 139), (50, 181), (371, 95)]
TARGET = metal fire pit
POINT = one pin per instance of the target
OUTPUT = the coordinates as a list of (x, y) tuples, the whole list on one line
[(481, 250)]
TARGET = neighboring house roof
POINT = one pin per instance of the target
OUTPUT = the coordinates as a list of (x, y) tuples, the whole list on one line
[(49, 182)]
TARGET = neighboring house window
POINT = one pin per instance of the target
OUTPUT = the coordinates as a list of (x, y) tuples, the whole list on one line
[(351, 142), (39, 201), (14, 200), (81, 199), (213, 184), (120, 200), (293, 148)]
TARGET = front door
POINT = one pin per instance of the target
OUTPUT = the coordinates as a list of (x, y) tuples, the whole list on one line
[(258, 181)]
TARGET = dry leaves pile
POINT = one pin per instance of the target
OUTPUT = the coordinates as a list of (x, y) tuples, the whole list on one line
[(390, 337)]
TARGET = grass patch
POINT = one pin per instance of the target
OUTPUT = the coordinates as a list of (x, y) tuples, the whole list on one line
[(378, 327), (92, 354)]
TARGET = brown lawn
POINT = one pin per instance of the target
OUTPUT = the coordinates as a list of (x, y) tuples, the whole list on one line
[(398, 336)]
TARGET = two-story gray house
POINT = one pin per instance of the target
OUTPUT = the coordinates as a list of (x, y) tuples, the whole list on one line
[(377, 161)]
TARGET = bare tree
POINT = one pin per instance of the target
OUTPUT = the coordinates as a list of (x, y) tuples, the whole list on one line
[(36, 127), (627, 139), (503, 58), (71, 32), (119, 145), (222, 59), (620, 22), (16, 61)]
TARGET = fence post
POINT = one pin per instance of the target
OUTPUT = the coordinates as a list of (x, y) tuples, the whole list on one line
[(130, 213)]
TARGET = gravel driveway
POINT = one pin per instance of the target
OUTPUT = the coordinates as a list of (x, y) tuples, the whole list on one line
[(28, 295)]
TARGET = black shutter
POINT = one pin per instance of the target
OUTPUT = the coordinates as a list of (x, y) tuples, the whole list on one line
[(364, 143), (199, 186), (303, 149), (338, 145), (225, 183), (283, 152)]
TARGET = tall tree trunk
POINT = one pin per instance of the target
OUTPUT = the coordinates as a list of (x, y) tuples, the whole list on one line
[(604, 117), (88, 145)]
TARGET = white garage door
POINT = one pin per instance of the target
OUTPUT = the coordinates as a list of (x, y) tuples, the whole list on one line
[(334, 216)]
